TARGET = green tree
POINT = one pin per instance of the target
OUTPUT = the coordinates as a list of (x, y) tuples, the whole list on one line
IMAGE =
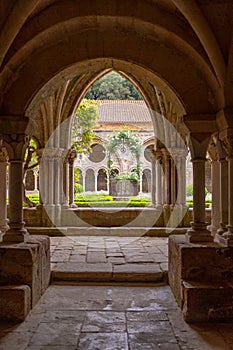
[(30, 162), (82, 129), (113, 86)]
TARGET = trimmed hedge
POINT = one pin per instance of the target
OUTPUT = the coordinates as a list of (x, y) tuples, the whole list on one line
[(111, 204)]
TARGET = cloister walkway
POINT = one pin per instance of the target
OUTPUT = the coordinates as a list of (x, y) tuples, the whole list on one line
[(109, 259)]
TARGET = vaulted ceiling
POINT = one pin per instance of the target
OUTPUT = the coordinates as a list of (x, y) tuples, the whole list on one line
[(182, 47)]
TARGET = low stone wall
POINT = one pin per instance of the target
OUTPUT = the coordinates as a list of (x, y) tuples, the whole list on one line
[(109, 217)]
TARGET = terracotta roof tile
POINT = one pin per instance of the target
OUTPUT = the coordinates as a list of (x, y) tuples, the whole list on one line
[(123, 111)]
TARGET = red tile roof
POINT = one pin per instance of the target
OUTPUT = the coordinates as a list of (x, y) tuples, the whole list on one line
[(123, 111)]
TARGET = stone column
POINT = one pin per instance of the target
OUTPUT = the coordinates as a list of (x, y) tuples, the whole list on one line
[(167, 187), (3, 190), (215, 188), (173, 180), (159, 180), (167, 174), (153, 178), (16, 142), (181, 176), (71, 158), (96, 180), (108, 187), (227, 237), (198, 231), (36, 174), (84, 180), (39, 153), (140, 184), (223, 183), (65, 192)]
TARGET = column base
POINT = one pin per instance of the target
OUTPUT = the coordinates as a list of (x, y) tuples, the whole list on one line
[(72, 205), (226, 239), (15, 236), (198, 233), (222, 229)]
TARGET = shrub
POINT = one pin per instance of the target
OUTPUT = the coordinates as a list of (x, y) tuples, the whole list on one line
[(189, 190), (78, 188)]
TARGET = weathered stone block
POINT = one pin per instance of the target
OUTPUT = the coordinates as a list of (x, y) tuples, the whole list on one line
[(205, 265), (26, 264), (204, 302), (15, 302)]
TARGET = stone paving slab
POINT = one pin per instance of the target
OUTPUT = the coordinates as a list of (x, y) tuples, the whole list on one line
[(112, 318), (107, 259)]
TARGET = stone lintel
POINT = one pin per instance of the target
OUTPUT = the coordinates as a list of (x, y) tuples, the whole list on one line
[(201, 123), (13, 124)]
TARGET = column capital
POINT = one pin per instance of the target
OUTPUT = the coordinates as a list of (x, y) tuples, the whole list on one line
[(16, 145), (213, 151), (3, 155), (72, 155), (221, 151)]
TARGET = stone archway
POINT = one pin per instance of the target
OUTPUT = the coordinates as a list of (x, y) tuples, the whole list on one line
[(178, 53), (102, 180)]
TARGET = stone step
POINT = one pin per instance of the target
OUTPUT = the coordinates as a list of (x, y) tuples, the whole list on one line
[(107, 231), (106, 272)]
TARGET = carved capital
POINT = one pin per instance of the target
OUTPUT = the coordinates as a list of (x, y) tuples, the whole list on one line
[(213, 151), (72, 156), (227, 143), (16, 145), (3, 153)]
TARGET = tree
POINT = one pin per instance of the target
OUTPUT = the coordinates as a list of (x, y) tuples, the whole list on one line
[(84, 121), (30, 162), (113, 86)]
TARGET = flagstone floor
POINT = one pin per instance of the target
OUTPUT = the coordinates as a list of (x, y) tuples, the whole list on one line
[(111, 318), (96, 258)]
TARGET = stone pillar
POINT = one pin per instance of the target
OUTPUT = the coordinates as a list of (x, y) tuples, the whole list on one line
[(96, 180), (159, 179), (227, 237), (71, 158), (108, 183), (3, 190), (16, 142), (215, 209), (198, 231), (167, 187), (153, 178), (84, 180), (223, 183), (173, 180), (215, 188), (36, 174), (140, 184), (65, 192), (181, 176), (167, 174), (39, 153)]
